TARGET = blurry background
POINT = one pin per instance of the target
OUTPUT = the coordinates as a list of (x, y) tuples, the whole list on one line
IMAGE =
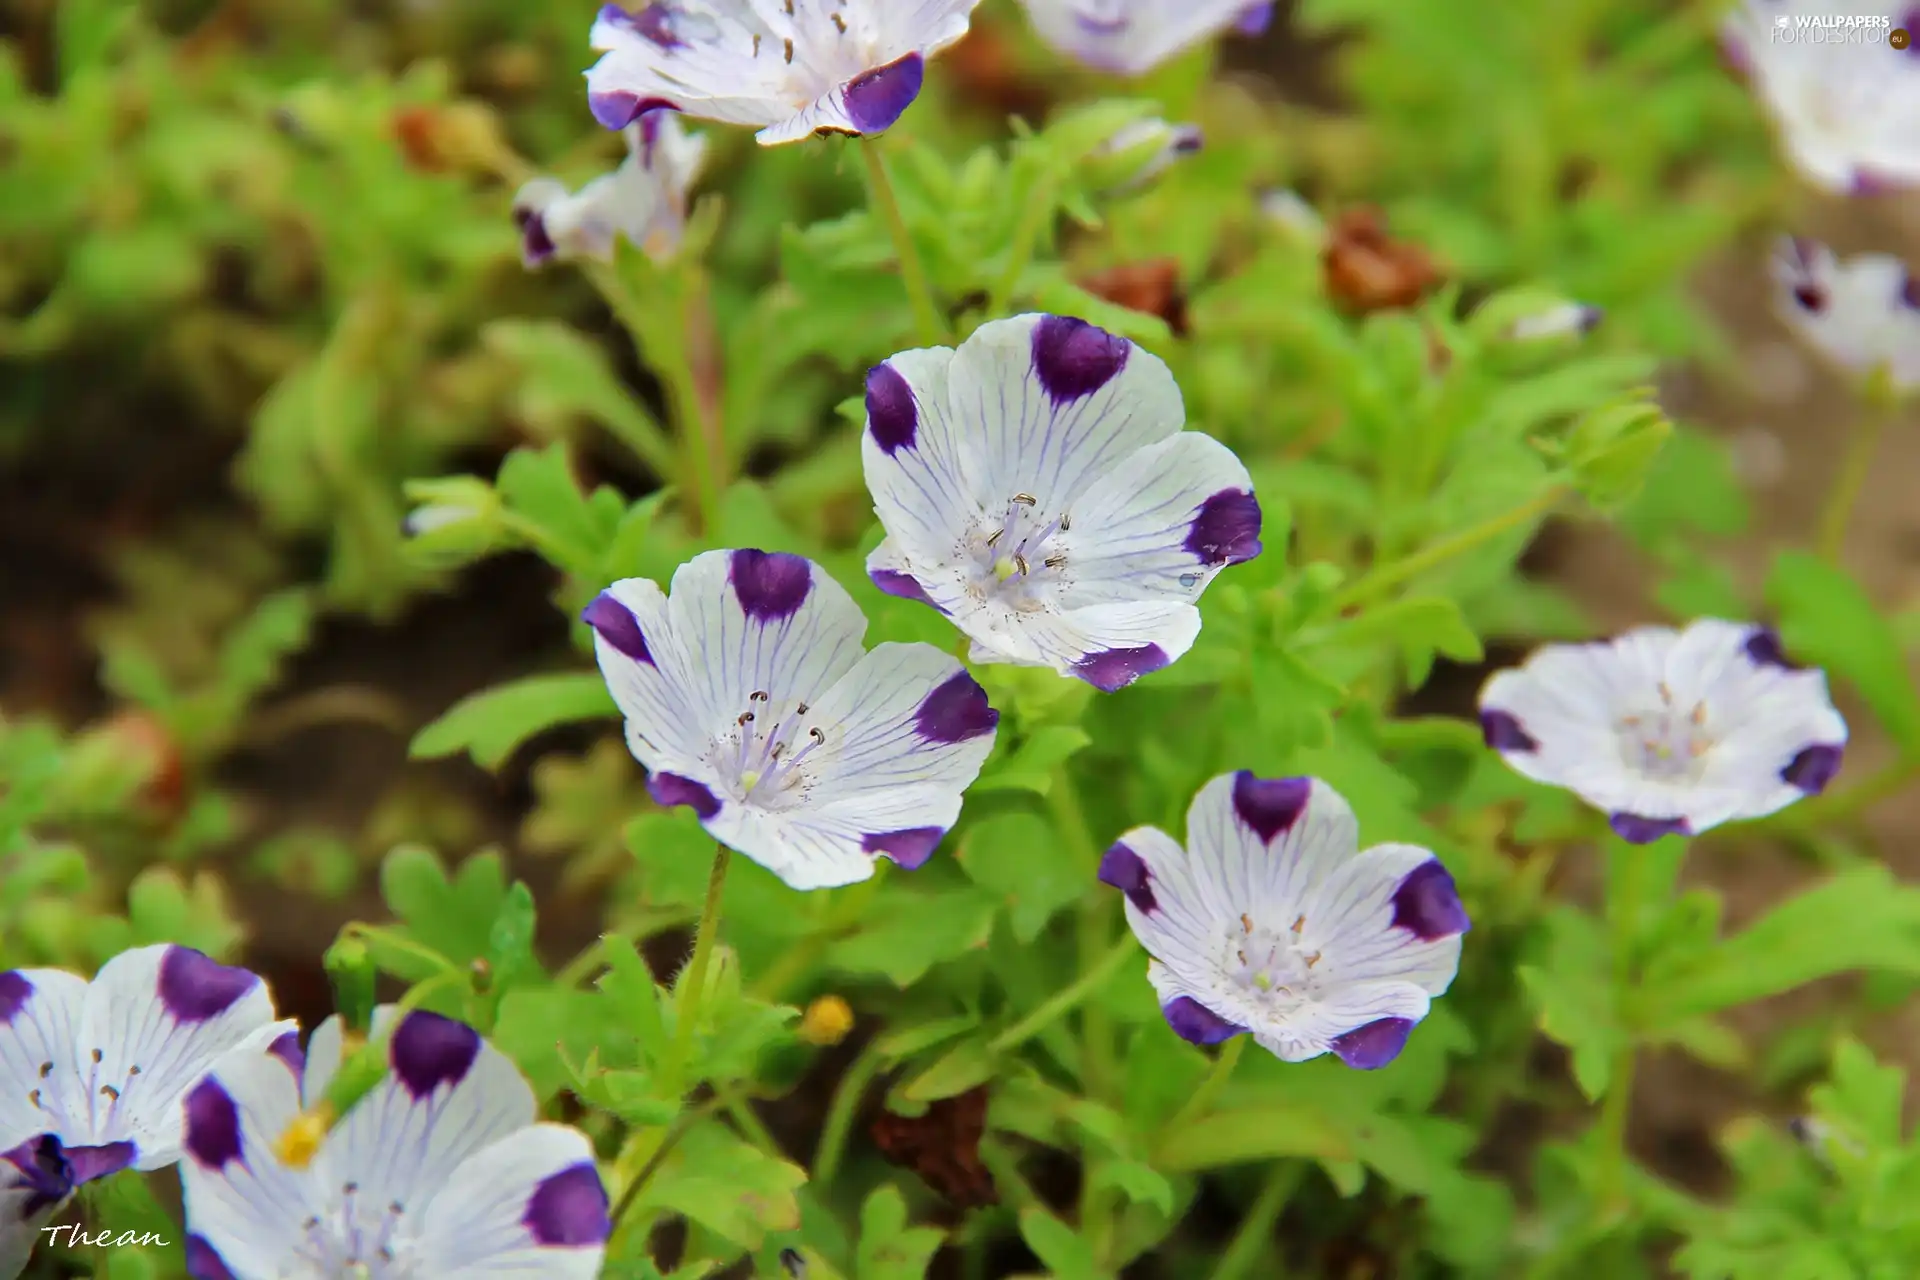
[(256, 268)]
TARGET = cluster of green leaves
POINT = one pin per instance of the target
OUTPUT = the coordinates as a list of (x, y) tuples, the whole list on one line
[(1404, 461)]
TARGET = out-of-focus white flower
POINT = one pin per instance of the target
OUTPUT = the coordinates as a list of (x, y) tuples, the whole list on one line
[(1139, 152), (645, 200), (750, 698), (1847, 109), (1561, 321), (789, 70), (1272, 920), (93, 1072), (1861, 314), (1669, 732), (442, 1171), (1285, 208), (1036, 487), (1132, 37)]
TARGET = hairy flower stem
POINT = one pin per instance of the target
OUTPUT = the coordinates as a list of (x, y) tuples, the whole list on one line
[(1624, 889), (1863, 442), (1384, 578), (912, 272), (692, 983)]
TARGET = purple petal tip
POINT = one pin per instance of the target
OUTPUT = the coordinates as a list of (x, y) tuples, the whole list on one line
[(1127, 871), (892, 418), (1074, 359), (908, 849), (956, 711), (670, 789), (877, 98), (1197, 1024), (1373, 1046), (1428, 905), (1635, 829), (569, 1209), (1270, 806), (213, 1124), (428, 1051), (1813, 768), (1226, 530), (1113, 669), (903, 585), (195, 987), (615, 623), (1504, 733), (770, 585)]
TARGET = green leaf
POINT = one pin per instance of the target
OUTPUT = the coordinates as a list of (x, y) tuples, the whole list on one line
[(564, 376), (510, 941), (571, 529), (1573, 997), (492, 724), (913, 932), (1033, 765), (1861, 919), (452, 917), (1067, 1255), (727, 1186), (889, 1248), (1135, 1180), (1827, 620), (544, 1028), (1019, 857), (957, 1070), (1249, 1134)]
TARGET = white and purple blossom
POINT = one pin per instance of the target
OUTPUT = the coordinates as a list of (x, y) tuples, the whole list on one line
[(1132, 37), (1669, 732), (1037, 488), (1861, 314), (93, 1072), (442, 1171), (1845, 107), (1273, 921), (750, 697), (1566, 319), (789, 70), (645, 200)]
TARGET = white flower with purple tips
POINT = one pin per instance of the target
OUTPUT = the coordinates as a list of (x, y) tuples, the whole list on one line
[(1846, 110), (789, 69), (1132, 37), (442, 1171), (93, 1072), (1669, 732), (750, 697), (645, 200), (1861, 314), (1273, 921), (1037, 488)]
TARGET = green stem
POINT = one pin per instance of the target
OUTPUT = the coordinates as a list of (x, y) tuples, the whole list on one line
[(912, 273), (1387, 576), (581, 967), (1623, 923), (1026, 235), (840, 1113), (1252, 1247), (1211, 1084), (692, 983), (1863, 441), (1064, 1001)]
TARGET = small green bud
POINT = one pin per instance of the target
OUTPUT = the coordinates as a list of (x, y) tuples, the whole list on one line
[(1137, 153), (350, 970), (455, 519), (1530, 316), (1610, 449)]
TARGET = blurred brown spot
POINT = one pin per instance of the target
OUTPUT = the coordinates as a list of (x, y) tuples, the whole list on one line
[(943, 1147), (1367, 271), (417, 130), (148, 743), (1152, 287), (986, 68)]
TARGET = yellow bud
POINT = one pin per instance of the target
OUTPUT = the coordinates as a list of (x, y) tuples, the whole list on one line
[(302, 1139), (827, 1021)]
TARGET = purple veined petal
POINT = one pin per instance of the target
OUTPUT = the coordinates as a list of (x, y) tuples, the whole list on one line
[(1373, 1046), (1127, 871), (1197, 1024), (1074, 359), (956, 711), (909, 849), (670, 789), (903, 585), (1270, 806), (615, 623), (1635, 829), (569, 1209), (1813, 767), (770, 585), (876, 99), (428, 1051), (194, 987), (1503, 731), (1110, 670), (1226, 530), (892, 418), (212, 1125), (1428, 905)]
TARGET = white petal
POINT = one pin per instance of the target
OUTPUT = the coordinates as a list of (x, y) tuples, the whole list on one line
[(241, 1202), (1858, 315), (1313, 1029), (158, 1019), (653, 676), (42, 1021), (450, 1094), (1010, 393), (1139, 533), (916, 456), (529, 1207), (749, 622), (1351, 919), (1274, 878), (1131, 36)]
